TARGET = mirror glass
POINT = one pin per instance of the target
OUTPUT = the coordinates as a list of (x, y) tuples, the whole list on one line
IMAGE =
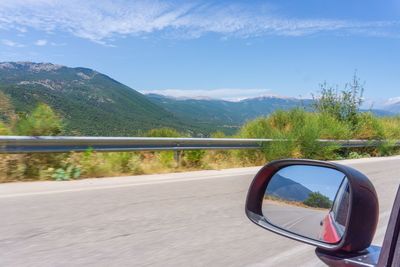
[(311, 201)]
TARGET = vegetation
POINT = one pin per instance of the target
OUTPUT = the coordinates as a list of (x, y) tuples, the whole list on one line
[(298, 126), (318, 200), (337, 117), (344, 104)]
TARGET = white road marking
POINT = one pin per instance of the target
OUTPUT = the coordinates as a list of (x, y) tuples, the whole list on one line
[(141, 183)]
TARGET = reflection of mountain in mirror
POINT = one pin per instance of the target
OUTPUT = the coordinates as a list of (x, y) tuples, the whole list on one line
[(287, 189)]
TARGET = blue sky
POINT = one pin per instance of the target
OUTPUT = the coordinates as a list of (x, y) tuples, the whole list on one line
[(317, 179), (222, 49)]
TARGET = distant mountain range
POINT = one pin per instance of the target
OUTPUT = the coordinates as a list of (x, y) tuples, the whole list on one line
[(227, 113), (234, 114), (92, 103), (394, 108)]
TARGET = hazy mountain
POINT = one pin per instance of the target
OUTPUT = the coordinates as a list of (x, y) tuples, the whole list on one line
[(223, 112), (287, 189), (233, 114), (394, 108), (91, 103)]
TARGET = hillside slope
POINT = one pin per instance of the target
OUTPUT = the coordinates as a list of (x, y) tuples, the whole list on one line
[(91, 103), (226, 113)]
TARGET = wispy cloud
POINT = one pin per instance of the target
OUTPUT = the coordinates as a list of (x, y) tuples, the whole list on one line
[(41, 42), (11, 43), (231, 94), (102, 21)]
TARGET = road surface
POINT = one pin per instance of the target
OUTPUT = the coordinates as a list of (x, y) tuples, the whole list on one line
[(299, 220), (186, 219)]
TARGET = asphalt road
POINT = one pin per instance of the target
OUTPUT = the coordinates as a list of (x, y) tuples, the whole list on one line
[(299, 220), (187, 219)]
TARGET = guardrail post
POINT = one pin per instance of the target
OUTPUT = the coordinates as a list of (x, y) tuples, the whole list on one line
[(177, 157)]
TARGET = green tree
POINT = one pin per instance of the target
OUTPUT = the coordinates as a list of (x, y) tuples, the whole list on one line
[(318, 200), (41, 121)]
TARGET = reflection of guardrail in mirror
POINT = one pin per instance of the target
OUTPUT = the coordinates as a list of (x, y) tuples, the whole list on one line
[(51, 144)]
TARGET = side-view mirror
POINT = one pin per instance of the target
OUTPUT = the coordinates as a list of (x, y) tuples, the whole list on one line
[(330, 206)]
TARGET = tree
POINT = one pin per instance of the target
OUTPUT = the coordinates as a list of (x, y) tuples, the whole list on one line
[(318, 200), (342, 104), (41, 121)]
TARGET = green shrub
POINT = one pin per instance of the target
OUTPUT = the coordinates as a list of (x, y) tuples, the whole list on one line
[(368, 127), (4, 130), (342, 104), (318, 200), (42, 121), (67, 173), (300, 129), (194, 158)]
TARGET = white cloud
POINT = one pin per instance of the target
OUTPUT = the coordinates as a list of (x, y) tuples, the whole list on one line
[(101, 21), (393, 100), (231, 94), (41, 42), (11, 43)]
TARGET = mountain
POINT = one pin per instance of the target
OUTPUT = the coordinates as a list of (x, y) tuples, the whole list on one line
[(287, 189), (90, 103), (394, 108), (226, 113), (231, 115)]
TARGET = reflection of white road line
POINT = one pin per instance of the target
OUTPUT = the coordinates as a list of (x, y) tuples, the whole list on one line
[(293, 223)]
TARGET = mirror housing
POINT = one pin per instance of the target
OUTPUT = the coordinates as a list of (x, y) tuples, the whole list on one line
[(363, 210)]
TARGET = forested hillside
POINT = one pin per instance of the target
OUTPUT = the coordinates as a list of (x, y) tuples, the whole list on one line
[(90, 103)]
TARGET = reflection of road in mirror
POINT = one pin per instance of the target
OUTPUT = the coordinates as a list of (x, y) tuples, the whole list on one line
[(310, 201), (296, 219)]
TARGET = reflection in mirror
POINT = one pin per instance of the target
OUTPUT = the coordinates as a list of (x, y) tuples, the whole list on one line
[(311, 201)]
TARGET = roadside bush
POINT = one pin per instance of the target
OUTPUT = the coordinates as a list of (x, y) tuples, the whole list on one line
[(300, 129), (4, 130), (165, 158), (193, 158), (368, 127), (42, 121), (342, 104), (318, 200), (391, 126)]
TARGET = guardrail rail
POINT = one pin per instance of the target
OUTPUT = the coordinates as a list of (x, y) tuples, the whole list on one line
[(52, 144)]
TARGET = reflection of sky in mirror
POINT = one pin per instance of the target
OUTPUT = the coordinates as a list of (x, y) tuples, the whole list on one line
[(321, 179)]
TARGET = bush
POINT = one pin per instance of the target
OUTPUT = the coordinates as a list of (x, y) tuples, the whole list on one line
[(4, 130), (42, 121), (300, 129), (194, 158), (165, 158), (342, 104), (318, 200)]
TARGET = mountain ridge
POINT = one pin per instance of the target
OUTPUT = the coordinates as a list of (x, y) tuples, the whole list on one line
[(90, 102)]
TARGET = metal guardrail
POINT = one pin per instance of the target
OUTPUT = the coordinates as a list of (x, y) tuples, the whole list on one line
[(47, 144)]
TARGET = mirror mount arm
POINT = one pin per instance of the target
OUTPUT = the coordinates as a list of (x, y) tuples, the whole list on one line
[(368, 257)]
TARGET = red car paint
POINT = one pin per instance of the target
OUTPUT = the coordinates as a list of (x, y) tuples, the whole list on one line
[(329, 233)]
